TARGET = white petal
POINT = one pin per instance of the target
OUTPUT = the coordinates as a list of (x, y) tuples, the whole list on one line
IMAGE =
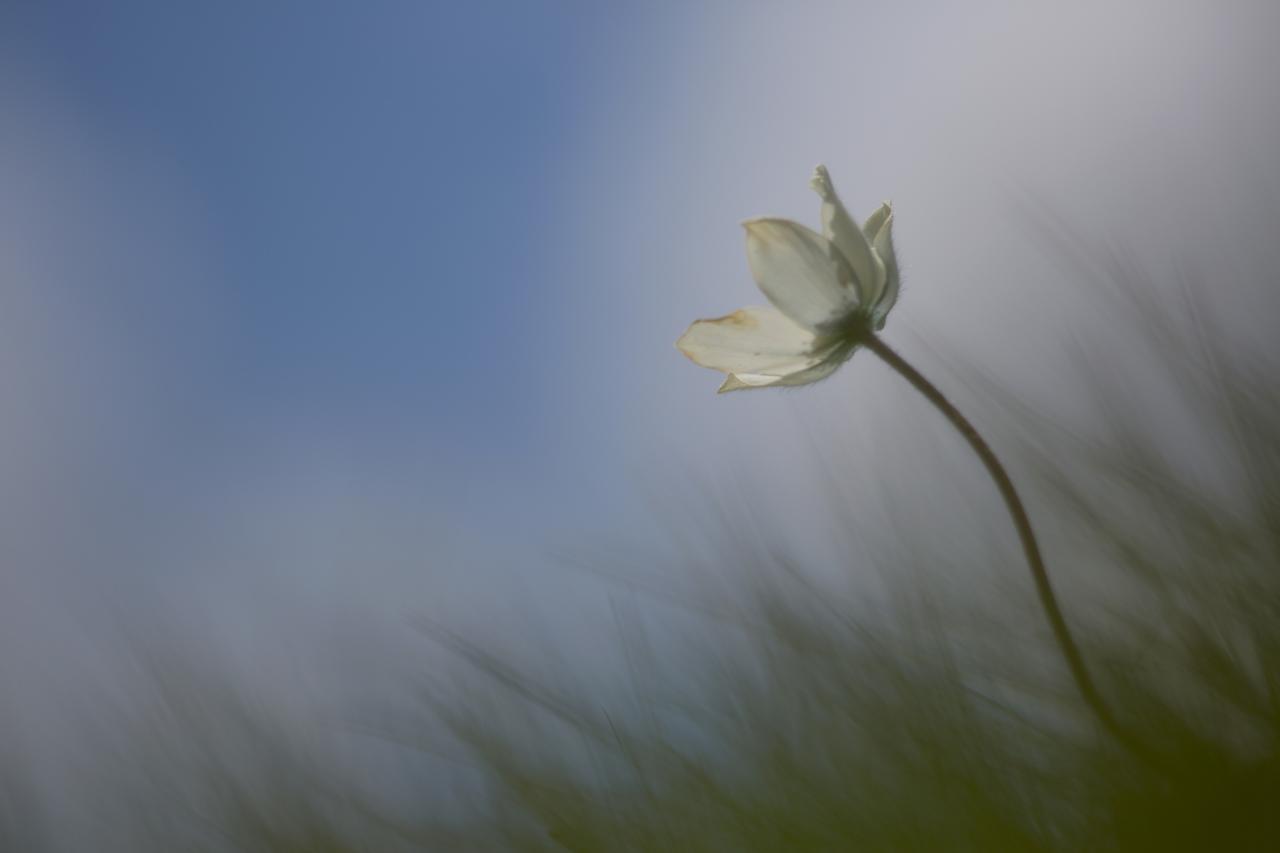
[(799, 273), (753, 340), (830, 360), (844, 234), (871, 227), (884, 248), (745, 381)]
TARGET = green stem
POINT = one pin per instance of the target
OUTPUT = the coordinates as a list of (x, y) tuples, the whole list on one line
[(1030, 547)]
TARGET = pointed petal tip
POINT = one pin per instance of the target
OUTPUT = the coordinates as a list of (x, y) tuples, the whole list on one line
[(734, 382), (820, 181), (682, 342), (730, 383)]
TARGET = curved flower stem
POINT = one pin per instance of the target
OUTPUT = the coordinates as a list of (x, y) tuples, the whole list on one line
[(1030, 548)]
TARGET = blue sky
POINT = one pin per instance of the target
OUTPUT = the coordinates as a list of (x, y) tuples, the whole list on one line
[(467, 233), (376, 187)]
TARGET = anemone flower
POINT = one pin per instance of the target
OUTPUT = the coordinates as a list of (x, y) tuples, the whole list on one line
[(830, 294), (827, 291)]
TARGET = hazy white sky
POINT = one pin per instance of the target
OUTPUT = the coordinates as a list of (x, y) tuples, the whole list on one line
[(1149, 125)]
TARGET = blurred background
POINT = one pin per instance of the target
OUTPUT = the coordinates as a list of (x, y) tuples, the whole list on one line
[(344, 437)]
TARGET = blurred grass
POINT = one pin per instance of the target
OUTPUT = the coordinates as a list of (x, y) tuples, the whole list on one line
[(939, 728), (760, 709)]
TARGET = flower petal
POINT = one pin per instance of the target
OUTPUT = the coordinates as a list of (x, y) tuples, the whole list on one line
[(884, 248), (830, 360), (844, 234), (799, 273), (871, 227), (745, 381), (753, 340)]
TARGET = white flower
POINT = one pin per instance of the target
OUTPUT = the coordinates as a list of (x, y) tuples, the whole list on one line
[(828, 291)]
